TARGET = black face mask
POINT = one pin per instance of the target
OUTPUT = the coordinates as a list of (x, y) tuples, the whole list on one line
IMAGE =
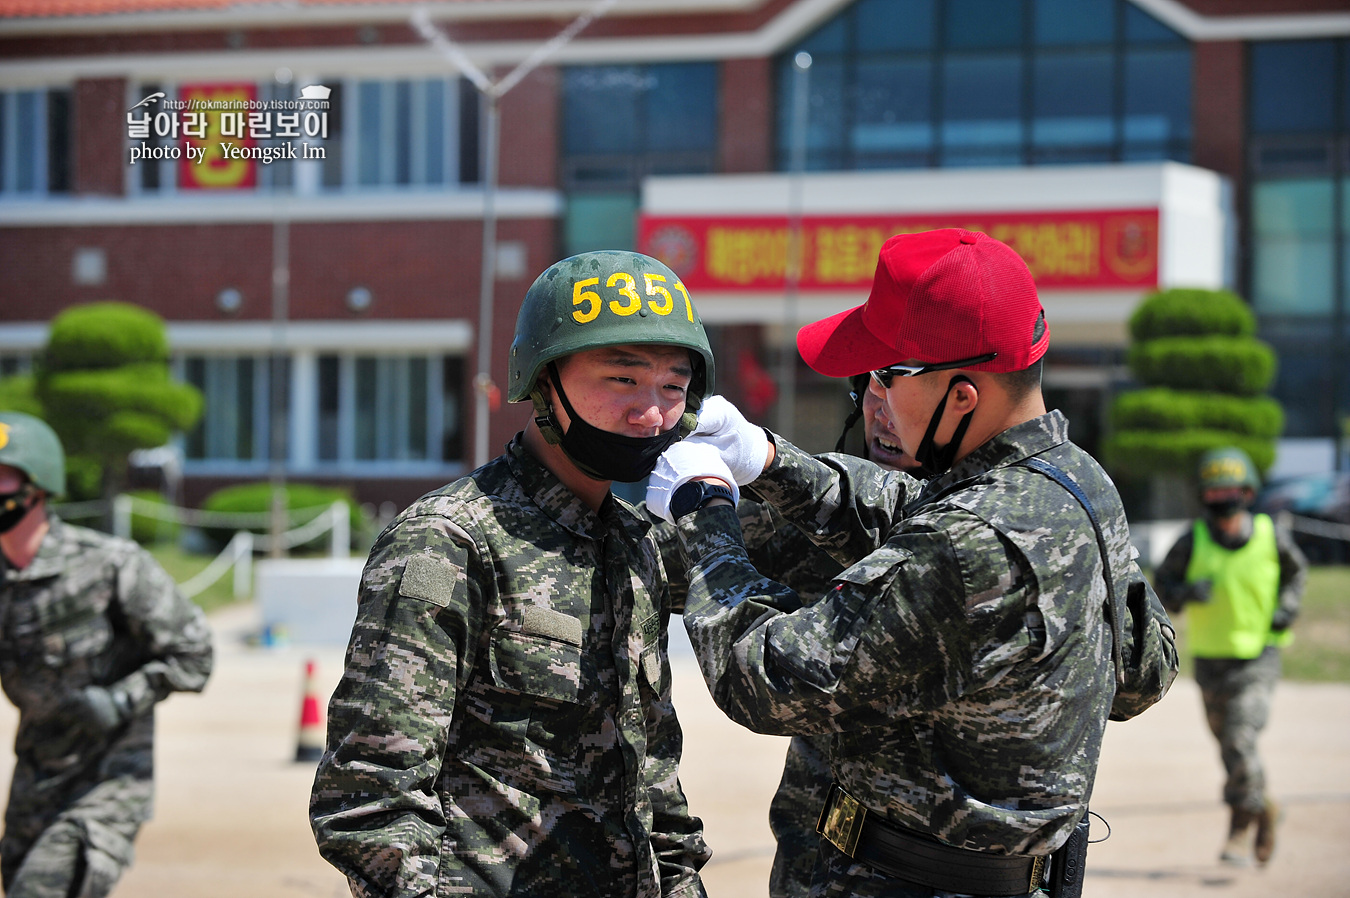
[(932, 460), (609, 456), (1226, 508), (13, 506)]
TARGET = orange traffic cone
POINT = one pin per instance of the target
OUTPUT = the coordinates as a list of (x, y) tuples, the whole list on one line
[(309, 745)]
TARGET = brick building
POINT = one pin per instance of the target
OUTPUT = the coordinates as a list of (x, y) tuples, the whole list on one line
[(1121, 145)]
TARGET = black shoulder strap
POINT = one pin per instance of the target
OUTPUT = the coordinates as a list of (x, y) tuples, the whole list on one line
[(1057, 474)]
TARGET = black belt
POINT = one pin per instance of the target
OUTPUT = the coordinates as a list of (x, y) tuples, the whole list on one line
[(920, 859)]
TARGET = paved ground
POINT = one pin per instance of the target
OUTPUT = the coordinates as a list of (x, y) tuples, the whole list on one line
[(231, 814)]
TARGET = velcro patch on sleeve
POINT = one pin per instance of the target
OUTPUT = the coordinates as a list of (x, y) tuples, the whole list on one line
[(430, 579), (539, 621)]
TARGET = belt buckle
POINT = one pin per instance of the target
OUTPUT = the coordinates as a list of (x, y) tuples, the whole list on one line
[(841, 821), (1038, 865)]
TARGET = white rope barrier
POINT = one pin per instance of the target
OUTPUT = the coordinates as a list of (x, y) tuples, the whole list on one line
[(1315, 527), (238, 554)]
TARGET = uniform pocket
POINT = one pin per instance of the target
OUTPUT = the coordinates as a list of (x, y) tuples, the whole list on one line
[(832, 627), (535, 666)]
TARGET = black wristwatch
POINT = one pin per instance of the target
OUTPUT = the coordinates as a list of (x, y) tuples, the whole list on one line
[(697, 493)]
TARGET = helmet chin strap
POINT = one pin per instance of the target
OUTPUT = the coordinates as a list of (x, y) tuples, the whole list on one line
[(934, 461)]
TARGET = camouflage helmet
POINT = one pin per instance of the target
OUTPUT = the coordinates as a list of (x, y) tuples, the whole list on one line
[(1227, 467), (605, 298), (27, 443)]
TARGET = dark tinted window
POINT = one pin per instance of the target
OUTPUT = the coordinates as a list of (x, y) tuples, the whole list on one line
[(1292, 86), (985, 24), (1067, 22), (895, 24), (990, 82)]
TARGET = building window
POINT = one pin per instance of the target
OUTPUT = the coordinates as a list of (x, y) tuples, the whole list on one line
[(622, 123), (15, 363), (1299, 227), (405, 133), (389, 409), (369, 414), (234, 423), (34, 142), (378, 134), (929, 83)]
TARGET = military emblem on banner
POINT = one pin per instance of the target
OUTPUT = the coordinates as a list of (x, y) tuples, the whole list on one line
[(1131, 247)]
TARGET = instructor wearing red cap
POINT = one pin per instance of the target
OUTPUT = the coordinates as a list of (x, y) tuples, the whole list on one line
[(990, 619)]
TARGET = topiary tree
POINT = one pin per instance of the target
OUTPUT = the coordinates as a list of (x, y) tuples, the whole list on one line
[(1203, 373), (104, 384), (18, 393)]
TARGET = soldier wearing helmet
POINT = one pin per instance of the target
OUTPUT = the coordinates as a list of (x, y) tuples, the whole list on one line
[(93, 633), (504, 723), (989, 619), (1240, 580)]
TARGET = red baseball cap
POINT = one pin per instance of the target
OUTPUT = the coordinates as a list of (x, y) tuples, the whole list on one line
[(937, 296)]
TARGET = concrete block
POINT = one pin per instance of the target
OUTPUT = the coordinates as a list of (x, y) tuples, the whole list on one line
[(312, 599)]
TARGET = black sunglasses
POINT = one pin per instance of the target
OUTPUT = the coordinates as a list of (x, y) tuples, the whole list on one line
[(884, 376)]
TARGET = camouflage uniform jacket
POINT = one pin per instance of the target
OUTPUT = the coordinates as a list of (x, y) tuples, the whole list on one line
[(782, 552), (504, 724), (964, 664), (91, 609)]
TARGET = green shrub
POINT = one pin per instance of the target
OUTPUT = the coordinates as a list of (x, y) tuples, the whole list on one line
[(1144, 453), (1222, 364), (1191, 312), (1203, 373), (105, 335), (84, 478), (1159, 408), (256, 498), (18, 393), (104, 384), (151, 530)]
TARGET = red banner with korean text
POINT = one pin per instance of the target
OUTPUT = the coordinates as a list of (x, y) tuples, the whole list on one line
[(215, 119), (1093, 250)]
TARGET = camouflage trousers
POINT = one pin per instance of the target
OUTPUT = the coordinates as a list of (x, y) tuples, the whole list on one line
[(1237, 695), (793, 814), (72, 835)]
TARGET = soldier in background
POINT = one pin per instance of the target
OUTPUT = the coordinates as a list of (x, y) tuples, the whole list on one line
[(93, 633), (1240, 579), (504, 724)]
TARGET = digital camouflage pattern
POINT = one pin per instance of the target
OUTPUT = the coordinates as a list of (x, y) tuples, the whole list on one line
[(963, 666), (89, 610), (786, 554), (504, 724), (1237, 692)]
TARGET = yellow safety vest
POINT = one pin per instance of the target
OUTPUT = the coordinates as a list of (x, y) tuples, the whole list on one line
[(1235, 622)]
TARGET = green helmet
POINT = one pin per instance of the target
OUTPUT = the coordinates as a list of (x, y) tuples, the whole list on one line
[(27, 443), (1227, 467), (605, 298)]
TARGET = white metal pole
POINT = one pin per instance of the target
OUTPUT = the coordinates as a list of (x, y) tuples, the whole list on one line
[(483, 382), (493, 92), (787, 359)]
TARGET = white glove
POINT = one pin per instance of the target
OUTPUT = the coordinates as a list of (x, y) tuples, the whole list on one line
[(743, 446), (685, 461)]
